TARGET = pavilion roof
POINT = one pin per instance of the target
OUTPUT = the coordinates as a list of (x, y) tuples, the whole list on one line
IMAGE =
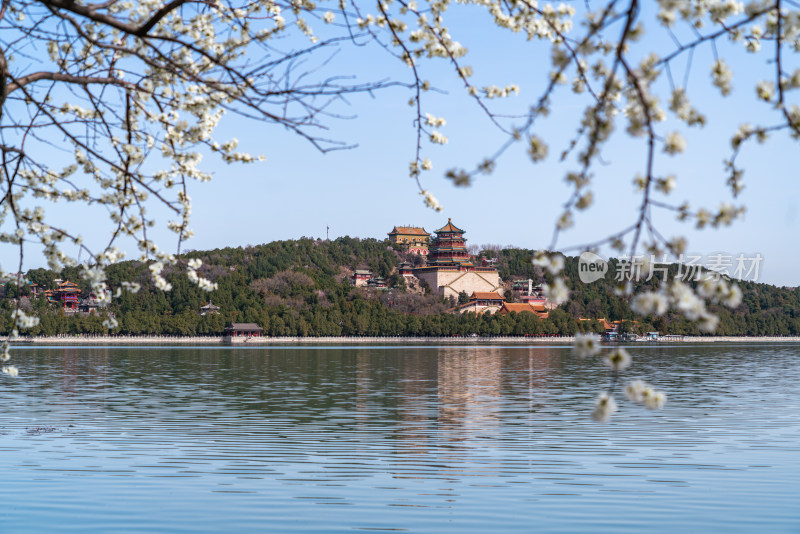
[(606, 324), (409, 230), (251, 327), (486, 295), (449, 227), (447, 260), (64, 287), (523, 307)]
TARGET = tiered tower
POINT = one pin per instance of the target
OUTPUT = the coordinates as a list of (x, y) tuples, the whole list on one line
[(450, 269), (448, 248)]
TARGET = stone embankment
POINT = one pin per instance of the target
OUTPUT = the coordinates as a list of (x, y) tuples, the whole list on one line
[(742, 339), (218, 340), (118, 340), (399, 340), (367, 340)]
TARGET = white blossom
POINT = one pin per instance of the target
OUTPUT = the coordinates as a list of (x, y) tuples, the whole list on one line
[(431, 200), (585, 201), (666, 185), (744, 131), (655, 303), (537, 148), (22, 320), (617, 359), (653, 399), (674, 143), (722, 76), (685, 301), (604, 407), (643, 393), (160, 282), (553, 262), (565, 221), (437, 137), (708, 322), (436, 122), (634, 390), (733, 297), (558, 293), (765, 90), (586, 345)]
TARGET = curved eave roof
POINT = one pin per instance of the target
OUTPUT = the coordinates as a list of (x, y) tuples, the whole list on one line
[(449, 227), (409, 230)]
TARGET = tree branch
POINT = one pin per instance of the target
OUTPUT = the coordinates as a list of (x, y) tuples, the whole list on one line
[(160, 14), (91, 12), (61, 77)]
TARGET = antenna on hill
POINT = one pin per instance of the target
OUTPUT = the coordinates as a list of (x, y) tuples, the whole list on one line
[(327, 229)]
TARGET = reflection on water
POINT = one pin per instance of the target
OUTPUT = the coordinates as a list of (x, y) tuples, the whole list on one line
[(422, 439)]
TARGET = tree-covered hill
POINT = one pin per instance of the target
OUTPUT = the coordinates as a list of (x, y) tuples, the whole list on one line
[(302, 287), (766, 310)]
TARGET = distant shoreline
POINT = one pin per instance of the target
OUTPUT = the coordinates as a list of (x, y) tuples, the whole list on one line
[(366, 340)]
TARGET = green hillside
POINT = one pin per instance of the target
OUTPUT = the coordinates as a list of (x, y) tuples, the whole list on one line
[(302, 288)]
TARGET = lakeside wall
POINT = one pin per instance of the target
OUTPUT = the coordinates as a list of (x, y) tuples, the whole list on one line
[(741, 339), (379, 340), (219, 340)]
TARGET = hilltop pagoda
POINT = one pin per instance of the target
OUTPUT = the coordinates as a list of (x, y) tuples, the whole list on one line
[(450, 269), (448, 248)]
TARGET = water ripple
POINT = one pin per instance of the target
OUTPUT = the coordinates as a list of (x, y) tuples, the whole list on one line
[(418, 439)]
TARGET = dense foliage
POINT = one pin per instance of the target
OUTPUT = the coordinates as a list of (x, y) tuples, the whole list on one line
[(302, 288)]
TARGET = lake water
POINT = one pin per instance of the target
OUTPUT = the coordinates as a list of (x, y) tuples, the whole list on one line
[(418, 439)]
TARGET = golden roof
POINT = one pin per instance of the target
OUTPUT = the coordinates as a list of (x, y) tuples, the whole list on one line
[(408, 230)]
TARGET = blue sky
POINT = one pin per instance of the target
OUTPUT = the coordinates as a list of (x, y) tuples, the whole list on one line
[(366, 191)]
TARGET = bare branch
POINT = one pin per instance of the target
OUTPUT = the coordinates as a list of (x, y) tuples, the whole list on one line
[(61, 77)]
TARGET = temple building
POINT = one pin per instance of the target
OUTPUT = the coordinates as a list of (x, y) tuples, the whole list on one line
[(406, 269), (89, 305), (537, 309), (244, 330), (377, 282), (482, 302), (209, 309), (35, 289), (448, 248), (451, 270), (67, 295), (531, 294), (414, 239), (360, 277)]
